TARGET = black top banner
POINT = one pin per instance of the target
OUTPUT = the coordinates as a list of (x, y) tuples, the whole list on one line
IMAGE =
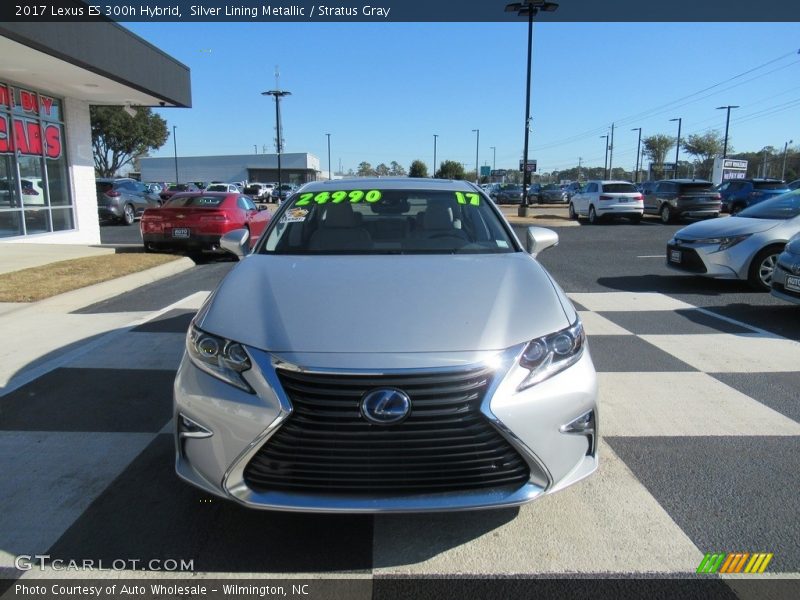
[(393, 11)]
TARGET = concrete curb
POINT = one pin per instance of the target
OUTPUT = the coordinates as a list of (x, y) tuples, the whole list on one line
[(80, 298)]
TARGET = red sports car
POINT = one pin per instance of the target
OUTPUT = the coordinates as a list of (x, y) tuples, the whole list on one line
[(194, 222)]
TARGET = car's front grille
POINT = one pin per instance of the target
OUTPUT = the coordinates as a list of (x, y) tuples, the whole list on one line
[(690, 260), (327, 446)]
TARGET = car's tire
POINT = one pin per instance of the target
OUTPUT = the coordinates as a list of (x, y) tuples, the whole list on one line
[(737, 208), (666, 214), (593, 218), (128, 215), (573, 216), (759, 275)]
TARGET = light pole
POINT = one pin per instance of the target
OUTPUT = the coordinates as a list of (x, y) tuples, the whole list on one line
[(175, 146), (785, 149), (494, 157), (435, 135), (477, 145), (528, 8), (727, 123), (278, 94), (638, 147), (678, 145), (605, 162), (330, 175)]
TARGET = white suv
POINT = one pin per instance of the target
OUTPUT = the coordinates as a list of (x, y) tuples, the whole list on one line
[(598, 199)]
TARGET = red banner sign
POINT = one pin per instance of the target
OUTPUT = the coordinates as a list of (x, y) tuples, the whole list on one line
[(28, 136)]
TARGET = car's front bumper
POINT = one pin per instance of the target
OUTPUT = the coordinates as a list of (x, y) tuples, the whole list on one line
[(785, 283), (532, 422), (707, 260)]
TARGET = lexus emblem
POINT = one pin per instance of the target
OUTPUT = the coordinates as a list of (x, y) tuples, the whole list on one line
[(385, 406)]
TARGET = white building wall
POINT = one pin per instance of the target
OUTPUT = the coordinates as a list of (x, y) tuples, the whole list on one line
[(78, 134)]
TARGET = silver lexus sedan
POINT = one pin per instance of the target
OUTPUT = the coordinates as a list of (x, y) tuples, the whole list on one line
[(387, 345)]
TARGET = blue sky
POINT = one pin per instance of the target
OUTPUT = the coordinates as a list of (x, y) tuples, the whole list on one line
[(383, 90)]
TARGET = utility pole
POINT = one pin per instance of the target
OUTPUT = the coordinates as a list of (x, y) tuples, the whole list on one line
[(611, 154), (580, 161), (638, 148), (785, 149)]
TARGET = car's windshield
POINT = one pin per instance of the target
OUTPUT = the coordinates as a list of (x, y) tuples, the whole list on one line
[(619, 188), (770, 185), (194, 201), (784, 206), (375, 221)]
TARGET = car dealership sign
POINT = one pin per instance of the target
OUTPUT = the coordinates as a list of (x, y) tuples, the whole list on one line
[(728, 168), (21, 130)]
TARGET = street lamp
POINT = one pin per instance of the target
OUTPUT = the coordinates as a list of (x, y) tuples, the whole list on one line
[(785, 148), (528, 8), (477, 145), (330, 175), (435, 135), (727, 123), (638, 147), (278, 94), (175, 146), (605, 162), (678, 145)]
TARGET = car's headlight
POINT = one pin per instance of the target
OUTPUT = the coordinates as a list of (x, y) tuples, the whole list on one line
[(724, 242), (551, 354), (224, 359)]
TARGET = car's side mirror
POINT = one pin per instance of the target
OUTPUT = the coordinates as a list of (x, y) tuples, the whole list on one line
[(235, 242), (539, 239)]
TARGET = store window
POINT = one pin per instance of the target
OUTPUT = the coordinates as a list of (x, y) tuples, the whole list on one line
[(34, 183)]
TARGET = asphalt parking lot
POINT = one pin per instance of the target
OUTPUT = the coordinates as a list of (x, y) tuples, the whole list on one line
[(700, 427)]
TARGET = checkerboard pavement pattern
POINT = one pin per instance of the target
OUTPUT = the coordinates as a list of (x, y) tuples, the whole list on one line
[(700, 423)]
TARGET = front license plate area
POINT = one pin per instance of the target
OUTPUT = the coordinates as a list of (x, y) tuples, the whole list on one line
[(675, 256), (180, 232), (793, 284)]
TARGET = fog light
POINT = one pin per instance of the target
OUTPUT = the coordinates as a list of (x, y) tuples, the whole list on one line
[(584, 425), (191, 429)]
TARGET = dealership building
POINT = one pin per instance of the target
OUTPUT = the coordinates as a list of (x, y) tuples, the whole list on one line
[(49, 76), (296, 168)]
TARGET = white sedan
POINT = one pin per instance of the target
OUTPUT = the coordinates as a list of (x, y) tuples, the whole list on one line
[(601, 199)]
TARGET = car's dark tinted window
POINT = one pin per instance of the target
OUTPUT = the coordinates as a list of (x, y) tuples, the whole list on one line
[(104, 186), (591, 188), (619, 188), (195, 201), (784, 206), (665, 187), (695, 188), (769, 185), (376, 221)]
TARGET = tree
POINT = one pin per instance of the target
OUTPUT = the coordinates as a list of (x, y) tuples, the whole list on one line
[(365, 170), (656, 148), (704, 148), (450, 169), (396, 169), (418, 169), (381, 170), (118, 138)]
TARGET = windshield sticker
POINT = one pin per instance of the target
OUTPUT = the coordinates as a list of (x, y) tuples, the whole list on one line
[(339, 196), (295, 215), (469, 197)]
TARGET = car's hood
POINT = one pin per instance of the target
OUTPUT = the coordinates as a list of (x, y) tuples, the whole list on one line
[(725, 226), (385, 304)]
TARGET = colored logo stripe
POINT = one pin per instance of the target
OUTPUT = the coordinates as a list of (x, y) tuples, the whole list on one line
[(734, 562)]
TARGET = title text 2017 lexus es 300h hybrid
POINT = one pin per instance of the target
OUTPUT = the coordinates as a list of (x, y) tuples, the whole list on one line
[(387, 345)]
